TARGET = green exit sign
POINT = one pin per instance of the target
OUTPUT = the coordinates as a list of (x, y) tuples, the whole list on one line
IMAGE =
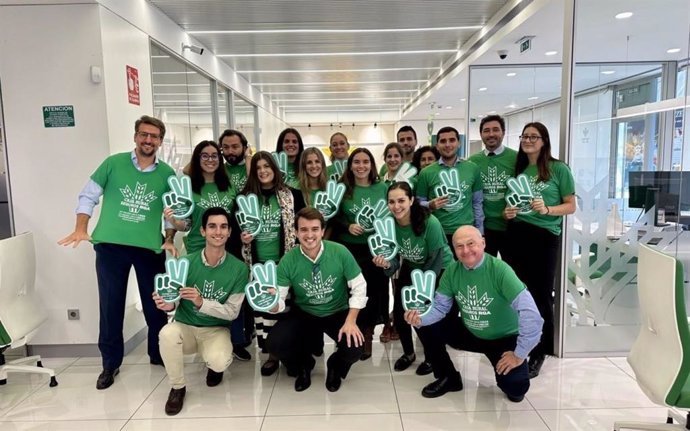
[(525, 45)]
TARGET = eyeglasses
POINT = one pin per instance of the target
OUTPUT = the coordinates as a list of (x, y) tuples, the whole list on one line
[(144, 135), (532, 138), (206, 157)]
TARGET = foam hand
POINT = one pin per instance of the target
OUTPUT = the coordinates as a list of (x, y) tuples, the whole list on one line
[(168, 285), (383, 242), (248, 215), (339, 166), (282, 162), (405, 173), (329, 201), (262, 291), (450, 187), (419, 296), (179, 198), (366, 216), (520, 193)]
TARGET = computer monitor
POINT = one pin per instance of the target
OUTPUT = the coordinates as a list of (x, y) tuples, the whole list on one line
[(667, 190)]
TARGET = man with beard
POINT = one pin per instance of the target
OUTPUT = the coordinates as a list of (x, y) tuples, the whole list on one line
[(496, 164), (234, 145), (128, 234)]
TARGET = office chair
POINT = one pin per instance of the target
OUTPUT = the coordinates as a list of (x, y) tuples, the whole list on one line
[(660, 356), (21, 313)]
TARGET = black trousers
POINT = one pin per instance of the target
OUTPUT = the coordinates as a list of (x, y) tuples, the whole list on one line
[(292, 340), (534, 255), (452, 331), (376, 311), (497, 241)]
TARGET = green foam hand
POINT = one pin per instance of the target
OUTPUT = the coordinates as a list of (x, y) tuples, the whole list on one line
[(405, 173), (168, 285), (329, 201), (366, 216), (339, 166), (450, 187), (419, 296), (383, 242), (282, 162), (179, 198), (248, 215), (258, 290), (520, 194)]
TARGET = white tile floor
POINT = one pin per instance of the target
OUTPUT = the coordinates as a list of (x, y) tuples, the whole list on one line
[(570, 394)]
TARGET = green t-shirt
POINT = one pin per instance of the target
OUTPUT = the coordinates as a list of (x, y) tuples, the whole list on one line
[(469, 180), (291, 180), (560, 185), (330, 170), (217, 284), (484, 296), (267, 241), (349, 207), (210, 197), (495, 171), (416, 249), (237, 174), (132, 204), (320, 288)]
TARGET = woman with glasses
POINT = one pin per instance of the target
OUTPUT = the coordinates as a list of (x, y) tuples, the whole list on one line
[(423, 246), (363, 191), (290, 142), (278, 204), (393, 158), (535, 230)]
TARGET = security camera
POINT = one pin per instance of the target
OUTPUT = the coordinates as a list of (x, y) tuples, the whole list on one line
[(502, 54), (195, 49)]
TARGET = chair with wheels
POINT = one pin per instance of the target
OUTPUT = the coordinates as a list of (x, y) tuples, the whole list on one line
[(21, 313), (660, 356)]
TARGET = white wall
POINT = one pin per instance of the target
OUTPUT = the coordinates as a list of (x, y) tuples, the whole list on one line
[(47, 167)]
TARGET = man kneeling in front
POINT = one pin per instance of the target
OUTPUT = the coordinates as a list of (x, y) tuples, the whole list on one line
[(498, 318), (213, 298)]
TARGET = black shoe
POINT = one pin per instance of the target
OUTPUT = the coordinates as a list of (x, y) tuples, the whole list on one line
[(156, 361), (439, 387), (213, 378), (534, 364), (106, 378), (175, 401), (515, 398), (241, 354), (269, 367), (303, 380), (404, 362), (333, 379), (424, 368)]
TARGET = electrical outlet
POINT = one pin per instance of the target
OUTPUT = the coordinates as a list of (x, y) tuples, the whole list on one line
[(73, 314)]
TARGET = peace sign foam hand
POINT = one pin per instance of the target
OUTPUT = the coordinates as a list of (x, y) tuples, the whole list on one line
[(339, 167), (257, 290), (383, 242), (281, 159), (450, 186), (405, 173), (179, 198), (168, 285), (520, 193), (419, 296), (366, 216), (328, 202), (248, 215)]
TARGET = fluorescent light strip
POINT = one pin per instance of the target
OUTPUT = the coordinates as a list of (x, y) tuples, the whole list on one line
[(334, 31), (392, 69), (173, 73), (273, 93), (183, 101), (406, 81), (180, 94), (180, 85), (341, 105), (373, 99), (340, 110), (160, 56), (338, 54)]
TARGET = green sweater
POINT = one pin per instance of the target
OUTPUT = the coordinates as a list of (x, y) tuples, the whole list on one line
[(495, 171), (210, 197)]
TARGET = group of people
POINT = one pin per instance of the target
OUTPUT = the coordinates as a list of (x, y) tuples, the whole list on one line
[(327, 281)]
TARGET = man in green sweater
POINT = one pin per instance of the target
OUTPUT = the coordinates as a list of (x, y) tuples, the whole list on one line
[(128, 234), (319, 274), (213, 297), (234, 145), (496, 164)]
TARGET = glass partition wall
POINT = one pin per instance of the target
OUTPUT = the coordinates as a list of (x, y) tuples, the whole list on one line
[(193, 107)]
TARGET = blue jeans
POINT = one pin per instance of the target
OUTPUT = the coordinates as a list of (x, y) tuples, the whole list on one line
[(113, 263)]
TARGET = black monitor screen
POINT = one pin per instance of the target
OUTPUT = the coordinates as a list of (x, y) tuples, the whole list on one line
[(667, 189)]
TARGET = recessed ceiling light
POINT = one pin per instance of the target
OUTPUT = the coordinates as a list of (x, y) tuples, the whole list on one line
[(549, 53), (463, 99), (491, 112), (511, 74), (449, 107), (673, 50), (533, 98), (624, 15), (608, 72), (511, 106), (437, 114), (482, 89)]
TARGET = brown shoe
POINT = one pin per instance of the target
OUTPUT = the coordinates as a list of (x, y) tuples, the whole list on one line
[(368, 341), (394, 333), (385, 334), (175, 401)]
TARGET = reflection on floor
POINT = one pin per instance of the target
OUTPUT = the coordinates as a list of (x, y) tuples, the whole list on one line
[(570, 394)]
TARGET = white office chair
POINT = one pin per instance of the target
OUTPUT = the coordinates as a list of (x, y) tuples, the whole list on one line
[(660, 355), (21, 312)]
